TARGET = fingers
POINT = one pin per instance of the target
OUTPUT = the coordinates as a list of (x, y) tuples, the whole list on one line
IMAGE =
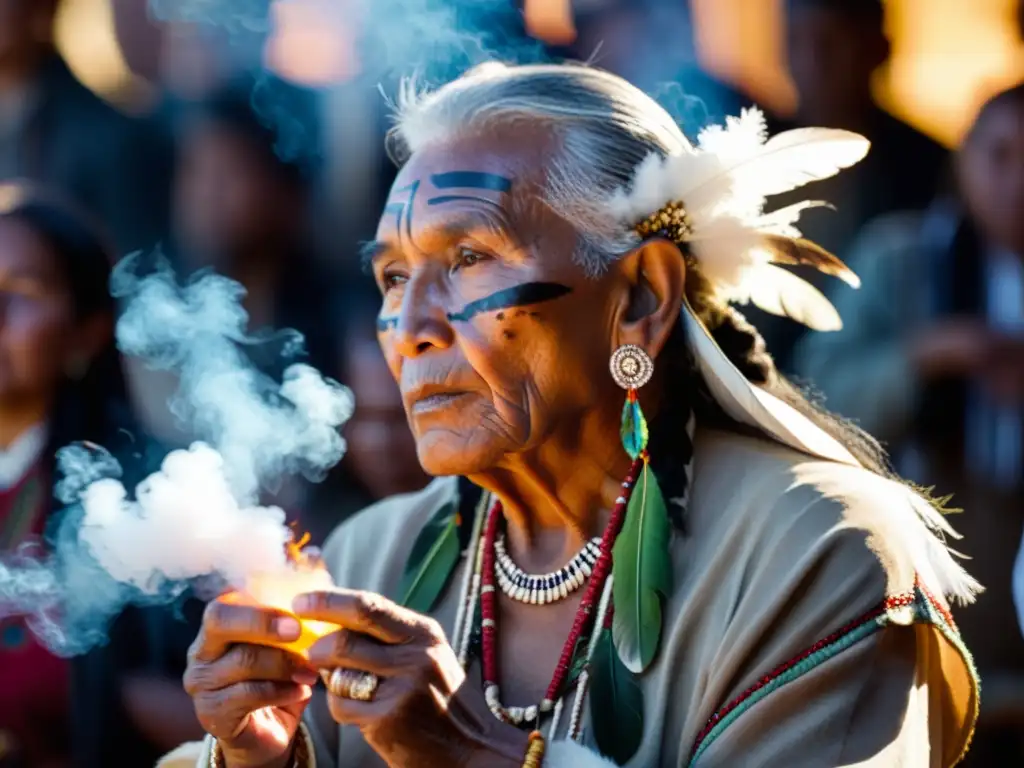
[(226, 624), (354, 650), (248, 662), (233, 704), (358, 713), (368, 613)]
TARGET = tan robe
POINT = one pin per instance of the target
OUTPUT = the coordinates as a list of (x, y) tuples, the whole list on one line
[(777, 631)]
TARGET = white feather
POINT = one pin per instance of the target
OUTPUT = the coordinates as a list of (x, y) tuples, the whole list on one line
[(779, 292)]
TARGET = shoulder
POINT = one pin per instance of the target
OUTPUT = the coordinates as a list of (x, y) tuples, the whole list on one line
[(817, 558), (368, 551), (800, 516)]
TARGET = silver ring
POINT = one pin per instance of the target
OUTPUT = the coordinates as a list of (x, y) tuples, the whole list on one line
[(352, 684)]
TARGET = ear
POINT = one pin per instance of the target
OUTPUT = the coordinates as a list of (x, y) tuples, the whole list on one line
[(656, 276)]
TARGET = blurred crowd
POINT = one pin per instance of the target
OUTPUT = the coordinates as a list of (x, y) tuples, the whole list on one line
[(931, 359)]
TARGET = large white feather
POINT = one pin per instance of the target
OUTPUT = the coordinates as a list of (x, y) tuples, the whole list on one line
[(779, 292)]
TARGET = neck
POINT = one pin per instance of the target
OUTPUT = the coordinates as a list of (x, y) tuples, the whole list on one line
[(16, 420), (558, 495)]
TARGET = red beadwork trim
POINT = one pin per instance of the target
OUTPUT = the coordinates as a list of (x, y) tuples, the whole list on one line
[(890, 603), (585, 612), (938, 606)]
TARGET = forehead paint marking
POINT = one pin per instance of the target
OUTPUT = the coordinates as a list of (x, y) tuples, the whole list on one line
[(471, 180), (516, 296), (455, 198)]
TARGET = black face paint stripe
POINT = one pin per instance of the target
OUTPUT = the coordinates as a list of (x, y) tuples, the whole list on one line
[(471, 180), (456, 198), (509, 298), (387, 323)]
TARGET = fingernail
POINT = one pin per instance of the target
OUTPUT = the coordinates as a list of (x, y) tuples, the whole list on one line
[(305, 677), (287, 629)]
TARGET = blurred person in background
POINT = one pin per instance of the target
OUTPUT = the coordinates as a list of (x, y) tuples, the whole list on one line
[(833, 49), (60, 382), (242, 209), (55, 131), (932, 361), (651, 43)]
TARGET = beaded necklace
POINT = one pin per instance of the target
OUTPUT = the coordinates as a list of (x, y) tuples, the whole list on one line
[(481, 585)]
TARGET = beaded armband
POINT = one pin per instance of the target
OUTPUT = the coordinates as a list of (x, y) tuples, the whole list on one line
[(304, 757)]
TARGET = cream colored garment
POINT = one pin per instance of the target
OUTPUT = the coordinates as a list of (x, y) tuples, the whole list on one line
[(780, 551)]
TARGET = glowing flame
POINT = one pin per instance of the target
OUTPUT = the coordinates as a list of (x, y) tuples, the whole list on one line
[(550, 21), (304, 572)]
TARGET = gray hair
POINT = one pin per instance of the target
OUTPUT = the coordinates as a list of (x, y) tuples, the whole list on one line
[(604, 127)]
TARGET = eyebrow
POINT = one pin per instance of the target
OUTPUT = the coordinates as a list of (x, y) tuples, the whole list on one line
[(495, 223)]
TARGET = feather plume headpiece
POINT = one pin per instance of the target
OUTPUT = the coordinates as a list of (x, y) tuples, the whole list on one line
[(712, 199)]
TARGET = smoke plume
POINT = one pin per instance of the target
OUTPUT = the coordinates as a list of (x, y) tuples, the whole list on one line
[(199, 514)]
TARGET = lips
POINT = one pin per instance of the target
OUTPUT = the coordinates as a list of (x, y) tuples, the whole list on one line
[(428, 398)]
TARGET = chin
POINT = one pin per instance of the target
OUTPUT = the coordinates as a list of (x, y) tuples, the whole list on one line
[(448, 452)]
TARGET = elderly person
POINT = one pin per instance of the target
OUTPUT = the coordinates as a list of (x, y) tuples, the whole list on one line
[(696, 568)]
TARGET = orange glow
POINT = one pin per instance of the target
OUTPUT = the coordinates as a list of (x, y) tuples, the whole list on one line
[(313, 42), (305, 572), (948, 56), (550, 21)]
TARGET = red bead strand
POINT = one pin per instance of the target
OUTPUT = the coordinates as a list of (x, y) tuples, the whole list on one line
[(584, 614)]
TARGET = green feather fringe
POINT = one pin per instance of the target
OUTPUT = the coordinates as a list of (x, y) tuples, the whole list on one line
[(642, 572), (616, 703), (432, 561)]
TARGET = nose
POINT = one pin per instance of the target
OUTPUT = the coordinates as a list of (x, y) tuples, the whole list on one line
[(422, 324)]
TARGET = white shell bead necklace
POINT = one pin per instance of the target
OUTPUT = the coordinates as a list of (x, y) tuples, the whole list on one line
[(547, 588)]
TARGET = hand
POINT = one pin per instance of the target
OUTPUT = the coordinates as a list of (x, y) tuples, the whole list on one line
[(956, 347), (423, 712), (248, 695)]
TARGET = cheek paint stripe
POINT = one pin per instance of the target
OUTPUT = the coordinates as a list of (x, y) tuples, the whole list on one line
[(387, 323), (509, 298), (471, 180)]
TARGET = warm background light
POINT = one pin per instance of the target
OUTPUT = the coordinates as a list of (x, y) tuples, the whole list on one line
[(948, 54)]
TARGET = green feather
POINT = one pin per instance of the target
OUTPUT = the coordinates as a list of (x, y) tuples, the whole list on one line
[(432, 561), (616, 703), (633, 430), (642, 572)]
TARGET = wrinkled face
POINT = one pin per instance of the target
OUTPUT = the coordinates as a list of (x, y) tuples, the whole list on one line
[(991, 170), (496, 337), (37, 323)]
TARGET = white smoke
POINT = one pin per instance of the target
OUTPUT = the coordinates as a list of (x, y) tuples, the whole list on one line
[(198, 516)]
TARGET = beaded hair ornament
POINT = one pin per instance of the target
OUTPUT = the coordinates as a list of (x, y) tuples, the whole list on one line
[(711, 198)]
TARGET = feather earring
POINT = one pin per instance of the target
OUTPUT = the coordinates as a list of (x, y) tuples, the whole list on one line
[(641, 561)]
